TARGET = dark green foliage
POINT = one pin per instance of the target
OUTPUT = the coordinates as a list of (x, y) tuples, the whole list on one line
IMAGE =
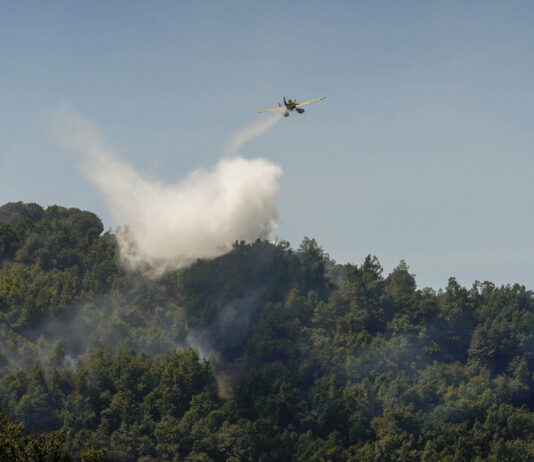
[(263, 354), (15, 446)]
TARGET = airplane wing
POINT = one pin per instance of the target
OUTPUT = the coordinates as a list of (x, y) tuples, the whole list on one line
[(271, 110), (311, 101)]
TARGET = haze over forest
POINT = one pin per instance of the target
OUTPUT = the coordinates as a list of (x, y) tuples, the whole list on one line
[(265, 353)]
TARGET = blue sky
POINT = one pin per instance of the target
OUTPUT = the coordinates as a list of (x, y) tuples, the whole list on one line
[(423, 150)]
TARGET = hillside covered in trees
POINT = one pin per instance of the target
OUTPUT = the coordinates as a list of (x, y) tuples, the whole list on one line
[(266, 353)]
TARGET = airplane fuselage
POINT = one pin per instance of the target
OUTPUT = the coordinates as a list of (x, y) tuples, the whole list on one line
[(291, 105)]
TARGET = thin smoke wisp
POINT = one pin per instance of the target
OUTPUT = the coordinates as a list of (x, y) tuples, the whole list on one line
[(251, 131), (169, 226)]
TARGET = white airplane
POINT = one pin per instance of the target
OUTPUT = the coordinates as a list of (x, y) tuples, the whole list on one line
[(291, 105)]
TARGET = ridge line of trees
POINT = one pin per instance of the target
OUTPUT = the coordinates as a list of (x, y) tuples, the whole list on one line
[(264, 354)]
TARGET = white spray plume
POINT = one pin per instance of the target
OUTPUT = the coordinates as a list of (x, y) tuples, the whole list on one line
[(251, 131), (169, 226)]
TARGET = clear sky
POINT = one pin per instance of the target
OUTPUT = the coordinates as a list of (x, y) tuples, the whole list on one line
[(423, 150)]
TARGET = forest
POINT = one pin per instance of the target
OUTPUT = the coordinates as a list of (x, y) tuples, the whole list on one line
[(267, 353)]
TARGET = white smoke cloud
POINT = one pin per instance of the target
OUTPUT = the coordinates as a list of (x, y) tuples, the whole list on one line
[(169, 226)]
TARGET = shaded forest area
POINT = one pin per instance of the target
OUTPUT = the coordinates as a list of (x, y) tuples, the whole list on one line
[(264, 354)]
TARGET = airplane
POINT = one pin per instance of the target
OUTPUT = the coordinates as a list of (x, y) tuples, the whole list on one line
[(291, 105)]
